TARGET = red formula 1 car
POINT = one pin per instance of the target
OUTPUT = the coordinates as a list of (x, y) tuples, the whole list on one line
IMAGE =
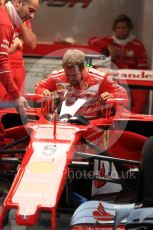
[(52, 146), (122, 213)]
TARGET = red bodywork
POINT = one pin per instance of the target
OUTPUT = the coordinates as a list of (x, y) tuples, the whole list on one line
[(41, 177), (30, 192)]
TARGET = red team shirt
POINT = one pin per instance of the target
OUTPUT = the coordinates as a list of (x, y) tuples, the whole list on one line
[(93, 82), (6, 37), (16, 63), (132, 55), (16, 58)]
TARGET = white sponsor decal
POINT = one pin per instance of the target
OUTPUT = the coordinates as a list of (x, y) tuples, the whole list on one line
[(6, 41), (93, 88), (129, 74), (7, 71), (4, 53), (4, 46)]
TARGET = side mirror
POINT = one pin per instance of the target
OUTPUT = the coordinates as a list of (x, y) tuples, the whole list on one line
[(113, 105)]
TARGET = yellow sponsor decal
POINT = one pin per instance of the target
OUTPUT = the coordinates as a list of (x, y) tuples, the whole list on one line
[(42, 167), (36, 187)]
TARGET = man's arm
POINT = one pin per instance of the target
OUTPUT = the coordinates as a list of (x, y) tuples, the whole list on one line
[(111, 89), (142, 58), (17, 44), (5, 73), (45, 86), (101, 44), (28, 36)]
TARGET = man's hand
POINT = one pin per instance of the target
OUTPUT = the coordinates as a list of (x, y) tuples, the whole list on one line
[(17, 44), (114, 51), (21, 105), (46, 93), (106, 95)]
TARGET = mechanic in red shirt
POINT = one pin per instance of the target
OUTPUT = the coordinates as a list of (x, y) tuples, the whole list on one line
[(13, 14), (126, 52), (16, 60), (80, 79), (28, 39)]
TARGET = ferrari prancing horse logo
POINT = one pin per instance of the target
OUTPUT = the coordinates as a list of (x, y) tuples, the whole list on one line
[(85, 85), (106, 138)]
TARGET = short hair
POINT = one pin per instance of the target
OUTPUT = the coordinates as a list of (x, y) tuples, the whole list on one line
[(73, 57), (122, 18)]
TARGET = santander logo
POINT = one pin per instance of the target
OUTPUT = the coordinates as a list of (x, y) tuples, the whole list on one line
[(128, 74)]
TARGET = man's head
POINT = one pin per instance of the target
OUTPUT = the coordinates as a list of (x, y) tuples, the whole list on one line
[(2, 2), (26, 8), (122, 26), (73, 64)]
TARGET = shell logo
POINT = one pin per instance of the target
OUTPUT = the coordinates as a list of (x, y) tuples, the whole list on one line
[(42, 167)]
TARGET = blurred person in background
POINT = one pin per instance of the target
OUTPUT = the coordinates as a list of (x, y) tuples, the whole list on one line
[(126, 52)]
